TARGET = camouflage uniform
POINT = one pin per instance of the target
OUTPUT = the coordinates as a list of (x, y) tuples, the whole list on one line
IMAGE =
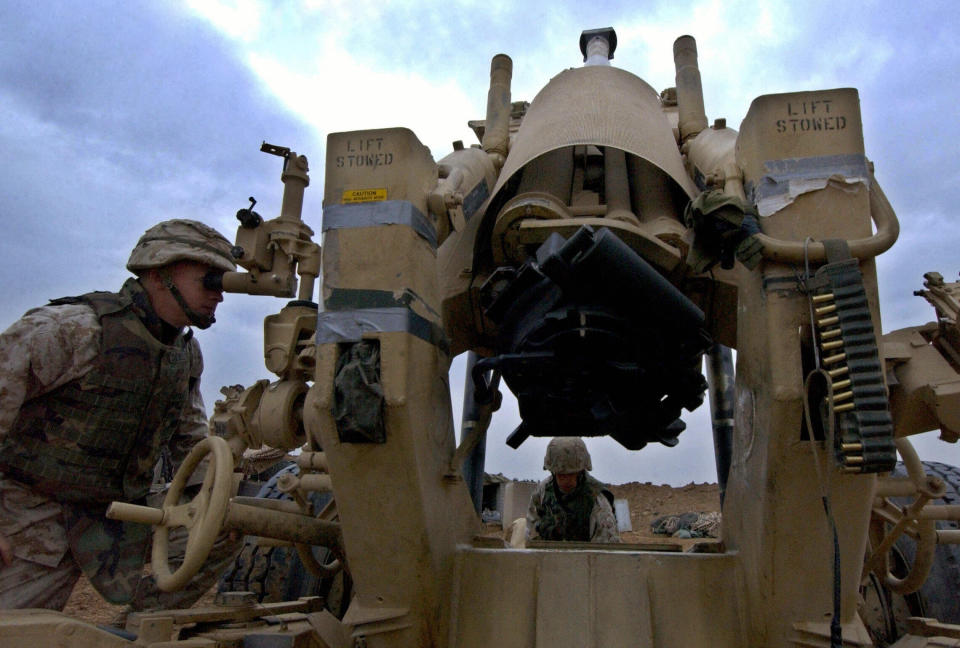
[(52, 411), (583, 514)]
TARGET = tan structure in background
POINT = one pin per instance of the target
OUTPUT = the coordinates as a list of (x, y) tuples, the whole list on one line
[(561, 252), (516, 498)]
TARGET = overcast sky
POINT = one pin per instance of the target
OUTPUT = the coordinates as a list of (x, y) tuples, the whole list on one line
[(115, 115)]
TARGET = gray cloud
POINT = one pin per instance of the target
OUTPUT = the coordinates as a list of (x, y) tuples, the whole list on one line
[(114, 115)]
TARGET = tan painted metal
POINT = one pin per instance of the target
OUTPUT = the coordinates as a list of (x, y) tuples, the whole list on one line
[(693, 118), (203, 515), (496, 137), (628, 117), (926, 395), (624, 118), (597, 147), (269, 273)]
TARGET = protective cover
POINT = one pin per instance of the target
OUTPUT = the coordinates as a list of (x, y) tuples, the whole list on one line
[(625, 113)]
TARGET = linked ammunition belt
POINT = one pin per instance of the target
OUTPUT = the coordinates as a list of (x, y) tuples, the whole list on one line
[(864, 441)]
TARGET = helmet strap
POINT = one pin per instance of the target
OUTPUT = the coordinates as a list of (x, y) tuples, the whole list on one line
[(199, 320)]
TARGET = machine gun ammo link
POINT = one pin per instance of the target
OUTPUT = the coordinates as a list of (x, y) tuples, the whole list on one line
[(848, 347)]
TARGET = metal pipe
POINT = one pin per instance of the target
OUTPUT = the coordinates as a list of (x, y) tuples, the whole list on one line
[(940, 512), (473, 464), (884, 218), (305, 292), (313, 461), (650, 196), (261, 283), (284, 506), (693, 117), (316, 483), (616, 186), (135, 513), (496, 134), (552, 173), (895, 487), (281, 525), (948, 536), (720, 378), (295, 178), (915, 469)]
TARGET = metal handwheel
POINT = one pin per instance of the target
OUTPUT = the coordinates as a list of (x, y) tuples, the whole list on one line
[(203, 516)]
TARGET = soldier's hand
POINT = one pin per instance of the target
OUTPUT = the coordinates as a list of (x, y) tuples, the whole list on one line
[(6, 551)]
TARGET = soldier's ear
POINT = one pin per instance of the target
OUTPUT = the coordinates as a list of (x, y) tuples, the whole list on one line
[(151, 281)]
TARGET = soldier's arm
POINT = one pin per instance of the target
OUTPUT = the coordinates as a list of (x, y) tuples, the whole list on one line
[(533, 513), (44, 349), (193, 418), (603, 523)]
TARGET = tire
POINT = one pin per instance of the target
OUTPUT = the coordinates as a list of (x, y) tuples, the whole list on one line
[(938, 596), (276, 574), (885, 612)]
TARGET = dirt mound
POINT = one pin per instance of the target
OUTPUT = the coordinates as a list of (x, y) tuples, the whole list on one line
[(648, 502)]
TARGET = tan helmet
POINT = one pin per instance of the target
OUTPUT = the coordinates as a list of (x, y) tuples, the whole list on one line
[(181, 240), (567, 455)]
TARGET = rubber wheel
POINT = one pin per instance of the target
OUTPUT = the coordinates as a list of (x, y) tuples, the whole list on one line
[(938, 596), (886, 612), (276, 574)]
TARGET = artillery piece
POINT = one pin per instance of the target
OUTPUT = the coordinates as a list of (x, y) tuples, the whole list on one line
[(598, 245)]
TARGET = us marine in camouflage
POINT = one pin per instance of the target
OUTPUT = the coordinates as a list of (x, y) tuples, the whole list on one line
[(570, 504), (92, 388)]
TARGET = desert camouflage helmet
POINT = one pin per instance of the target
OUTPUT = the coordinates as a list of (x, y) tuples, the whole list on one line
[(181, 240), (567, 455)]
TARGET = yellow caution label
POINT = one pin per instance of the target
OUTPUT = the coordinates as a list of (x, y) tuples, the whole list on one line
[(364, 195)]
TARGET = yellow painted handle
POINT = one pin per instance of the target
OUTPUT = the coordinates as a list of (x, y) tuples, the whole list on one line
[(135, 513)]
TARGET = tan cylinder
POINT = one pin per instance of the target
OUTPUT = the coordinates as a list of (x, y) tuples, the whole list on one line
[(496, 134), (551, 172), (693, 117), (256, 520), (135, 513), (312, 461), (617, 188), (318, 483), (295, 180)]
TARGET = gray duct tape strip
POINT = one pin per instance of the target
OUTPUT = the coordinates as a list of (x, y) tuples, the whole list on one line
[(349, 326), (787, 179), (372, 214), (475, 199), (352, 298)]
